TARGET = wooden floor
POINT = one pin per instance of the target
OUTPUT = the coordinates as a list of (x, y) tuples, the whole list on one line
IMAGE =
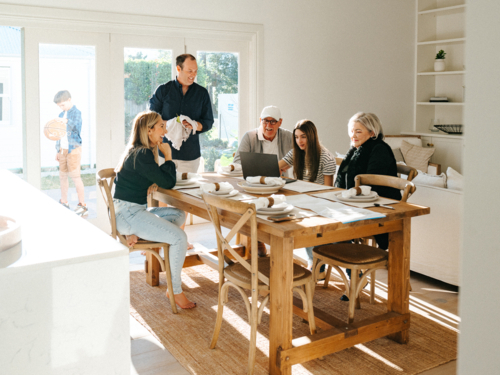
[(149, 357)]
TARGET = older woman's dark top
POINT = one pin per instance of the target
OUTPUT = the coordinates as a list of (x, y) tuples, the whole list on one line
[(372, 157)]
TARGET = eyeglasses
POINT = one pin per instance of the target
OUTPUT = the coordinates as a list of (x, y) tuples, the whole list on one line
[(271, 122)]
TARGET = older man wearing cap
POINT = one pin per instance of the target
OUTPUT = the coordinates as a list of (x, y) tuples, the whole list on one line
[(268, 138)]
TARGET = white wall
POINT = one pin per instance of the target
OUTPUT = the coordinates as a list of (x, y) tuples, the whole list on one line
[(479, 297), (323, 59)]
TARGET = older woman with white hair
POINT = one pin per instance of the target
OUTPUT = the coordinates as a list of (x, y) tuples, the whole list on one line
[(369, 154)]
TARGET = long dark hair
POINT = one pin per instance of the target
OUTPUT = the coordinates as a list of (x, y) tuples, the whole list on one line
[(311, 156)]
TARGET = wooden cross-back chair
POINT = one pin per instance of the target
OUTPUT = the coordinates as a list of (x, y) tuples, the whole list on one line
[(105, 180), (407, 170), (358, 256), (250, 274)]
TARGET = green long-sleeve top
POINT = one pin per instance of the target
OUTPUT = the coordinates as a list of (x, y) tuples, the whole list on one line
[(136, 176)]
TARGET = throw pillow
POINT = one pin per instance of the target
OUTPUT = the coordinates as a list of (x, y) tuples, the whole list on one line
[(398, 155), (416, 156), (430, 179), (455, 179)]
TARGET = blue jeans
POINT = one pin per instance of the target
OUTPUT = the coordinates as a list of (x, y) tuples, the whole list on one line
[(159, 224)]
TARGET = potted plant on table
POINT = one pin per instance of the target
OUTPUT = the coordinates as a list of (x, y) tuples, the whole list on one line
[(439, 64)]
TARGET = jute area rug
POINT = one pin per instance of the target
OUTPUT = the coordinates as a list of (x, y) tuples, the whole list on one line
[(187, 335)]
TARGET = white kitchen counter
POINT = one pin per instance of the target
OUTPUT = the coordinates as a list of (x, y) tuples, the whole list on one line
[(64, 305)]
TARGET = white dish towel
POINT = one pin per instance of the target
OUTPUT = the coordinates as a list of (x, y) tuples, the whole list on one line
[(178, 133)]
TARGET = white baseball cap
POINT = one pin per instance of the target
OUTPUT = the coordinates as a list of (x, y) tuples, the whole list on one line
[(271, 111)]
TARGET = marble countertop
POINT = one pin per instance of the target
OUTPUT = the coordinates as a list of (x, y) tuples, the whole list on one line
[(51, 234)]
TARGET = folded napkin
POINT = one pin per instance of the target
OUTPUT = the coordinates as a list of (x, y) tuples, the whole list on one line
[(186, 176), (218, 186), (269, 181), (352, 192), (235, 168), (273, 200)]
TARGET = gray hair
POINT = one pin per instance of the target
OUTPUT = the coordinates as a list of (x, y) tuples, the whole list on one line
[(370, 121)]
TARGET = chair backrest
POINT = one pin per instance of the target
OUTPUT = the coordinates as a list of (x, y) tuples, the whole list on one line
[(390, 181), (249, 214), (407, 170), (338, 161), (105, 179)]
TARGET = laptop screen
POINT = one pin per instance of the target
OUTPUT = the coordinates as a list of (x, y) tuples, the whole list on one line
[(255, 164)]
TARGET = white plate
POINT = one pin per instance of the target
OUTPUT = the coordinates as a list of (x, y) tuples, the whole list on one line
[(360, 198), (185, 182), (276, 207), (259, 190), (262, 185), (282, 211), (232, 193)]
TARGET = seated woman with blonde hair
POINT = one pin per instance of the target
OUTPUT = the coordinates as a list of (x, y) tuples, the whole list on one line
[(137, 175), (310, 160)]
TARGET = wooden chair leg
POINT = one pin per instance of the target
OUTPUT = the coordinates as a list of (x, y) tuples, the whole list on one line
[(218, 320), (190, 219), (153, 274), (327, 276), (352, 294), (372, 288), (168, 276), (310, 310), (253, 334)]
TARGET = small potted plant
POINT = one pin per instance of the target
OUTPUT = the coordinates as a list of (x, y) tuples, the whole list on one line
[(439, 64)]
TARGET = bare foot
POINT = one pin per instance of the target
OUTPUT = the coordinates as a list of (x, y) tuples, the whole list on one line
[(182, 301), (132, 240), (190, 246)]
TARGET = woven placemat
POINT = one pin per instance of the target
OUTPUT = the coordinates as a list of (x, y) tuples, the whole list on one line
[(187, 335)]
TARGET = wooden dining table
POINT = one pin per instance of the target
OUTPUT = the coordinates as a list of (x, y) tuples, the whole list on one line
[(283, 238)]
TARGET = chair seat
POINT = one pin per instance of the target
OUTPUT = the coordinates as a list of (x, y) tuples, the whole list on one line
[(351, 253), (237, 270)]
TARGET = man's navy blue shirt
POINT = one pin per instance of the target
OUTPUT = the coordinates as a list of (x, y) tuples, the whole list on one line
[(169, 101)]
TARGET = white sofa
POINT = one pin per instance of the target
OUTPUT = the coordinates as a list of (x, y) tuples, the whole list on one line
[(435, 238)]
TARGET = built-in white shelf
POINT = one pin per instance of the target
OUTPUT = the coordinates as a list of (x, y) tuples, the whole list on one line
[(442, 41), (439, 134), (439, 103), (445, 9), (449, 73)]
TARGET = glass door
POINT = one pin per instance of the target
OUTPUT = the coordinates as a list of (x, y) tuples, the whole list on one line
[(140, 65), (66, 117), (223, 69)]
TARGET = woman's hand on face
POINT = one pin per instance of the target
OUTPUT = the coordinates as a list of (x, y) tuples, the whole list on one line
[(152, 189), (165, 150)]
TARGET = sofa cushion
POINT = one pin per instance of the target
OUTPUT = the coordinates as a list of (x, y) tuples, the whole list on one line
[(455, 179), (416, 156), (398, 155), (430, 179)]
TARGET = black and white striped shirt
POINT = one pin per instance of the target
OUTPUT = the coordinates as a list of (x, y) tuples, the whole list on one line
[(327, 165)]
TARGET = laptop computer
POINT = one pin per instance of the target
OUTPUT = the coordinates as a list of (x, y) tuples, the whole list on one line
[(256, 164)]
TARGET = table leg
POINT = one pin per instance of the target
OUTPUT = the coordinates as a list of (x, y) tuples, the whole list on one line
[(398, 299), (281, 303)]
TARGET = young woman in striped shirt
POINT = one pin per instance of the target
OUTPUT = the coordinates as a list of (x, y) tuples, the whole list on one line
[(310, 160)]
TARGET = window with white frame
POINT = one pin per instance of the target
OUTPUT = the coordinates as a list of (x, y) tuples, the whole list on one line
[(4, 95)]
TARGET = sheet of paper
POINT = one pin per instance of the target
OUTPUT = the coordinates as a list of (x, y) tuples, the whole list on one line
[(330, 195), (344, 213), (303, 186), (304, 201)]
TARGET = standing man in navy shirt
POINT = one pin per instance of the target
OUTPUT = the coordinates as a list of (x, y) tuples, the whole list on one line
[(182, 96)]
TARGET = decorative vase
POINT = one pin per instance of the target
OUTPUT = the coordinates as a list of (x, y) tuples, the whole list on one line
[(439, 65)]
